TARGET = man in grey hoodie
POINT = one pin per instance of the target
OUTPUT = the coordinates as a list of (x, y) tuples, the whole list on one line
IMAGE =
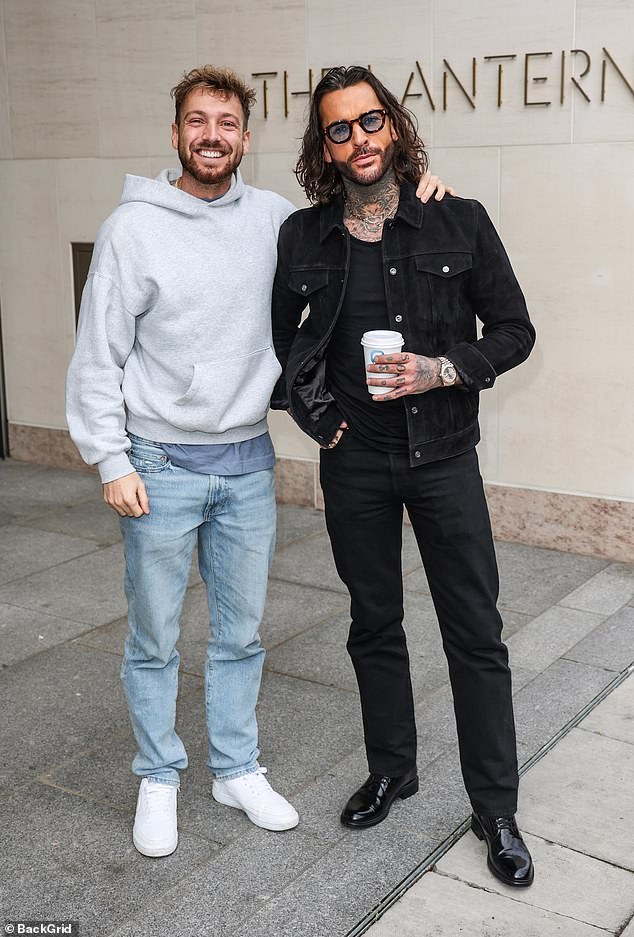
[(167, 394)]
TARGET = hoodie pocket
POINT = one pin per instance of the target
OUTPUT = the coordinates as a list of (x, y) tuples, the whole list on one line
[(227, 393)]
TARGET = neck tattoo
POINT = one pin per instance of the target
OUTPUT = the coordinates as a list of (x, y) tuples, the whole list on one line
[(368, 207)]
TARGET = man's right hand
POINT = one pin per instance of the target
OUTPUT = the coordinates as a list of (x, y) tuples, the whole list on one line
[(127, 496), (342, 426)]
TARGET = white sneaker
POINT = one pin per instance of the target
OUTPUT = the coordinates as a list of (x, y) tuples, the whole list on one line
[(155, 832), (253, 794)]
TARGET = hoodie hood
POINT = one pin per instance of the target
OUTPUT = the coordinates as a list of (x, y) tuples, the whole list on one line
[(160, 192)]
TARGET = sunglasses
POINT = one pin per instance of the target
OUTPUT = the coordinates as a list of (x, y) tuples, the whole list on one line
[(341, 130)]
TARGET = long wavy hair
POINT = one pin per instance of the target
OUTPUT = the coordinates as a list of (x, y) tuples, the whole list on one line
[(319, 178)]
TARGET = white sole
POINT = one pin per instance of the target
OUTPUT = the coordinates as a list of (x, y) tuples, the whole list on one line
[(276, 826), (153, 852)]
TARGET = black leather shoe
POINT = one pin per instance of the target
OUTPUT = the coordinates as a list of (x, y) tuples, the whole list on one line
[(371, 803), (509, 858)]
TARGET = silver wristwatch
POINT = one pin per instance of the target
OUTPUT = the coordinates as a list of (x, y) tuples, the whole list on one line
[(448, 374)]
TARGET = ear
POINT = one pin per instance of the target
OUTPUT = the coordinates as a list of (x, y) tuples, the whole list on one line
[(393, 133), (246, 137), (175, 136), (327, 155)]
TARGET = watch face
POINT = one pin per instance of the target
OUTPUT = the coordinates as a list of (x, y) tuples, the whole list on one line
[(448, 373)]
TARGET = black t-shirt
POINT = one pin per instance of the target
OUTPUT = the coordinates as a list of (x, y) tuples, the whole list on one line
[(381, 425)]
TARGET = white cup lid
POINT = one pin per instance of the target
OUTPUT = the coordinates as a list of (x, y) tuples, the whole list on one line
[(381, 337)]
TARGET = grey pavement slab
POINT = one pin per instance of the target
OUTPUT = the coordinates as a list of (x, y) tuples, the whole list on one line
[(27, 489), (24, 632), (222, 895), (548, 636), (330, 896), (439, 906), (308, 561), (292, 609), (90, 519), (88, 589), (604, 592), (66, 858), (24, 551), (611, 645), (566, 881), (532, 578), (580, 796), (55, 705), (614, 716), (629, 930), (556, 695), (512, 621), (304, 729), (295, 523), (436, 721), (320, 653), (521, 677)]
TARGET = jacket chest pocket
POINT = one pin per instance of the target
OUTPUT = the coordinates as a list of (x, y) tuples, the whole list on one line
[(446, 271), (312, 286), (308, 283), (444, 278)]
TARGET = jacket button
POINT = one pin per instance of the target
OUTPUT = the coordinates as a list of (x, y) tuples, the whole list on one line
[(414, 409), (393, 271), (417, 454), (487, 380), (304, 287), (398, 318), (445, 269)]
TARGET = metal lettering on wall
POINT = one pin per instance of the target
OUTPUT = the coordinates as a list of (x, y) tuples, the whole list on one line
[(590, 83)]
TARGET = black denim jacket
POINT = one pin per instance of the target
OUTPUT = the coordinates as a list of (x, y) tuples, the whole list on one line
[(443, 266)]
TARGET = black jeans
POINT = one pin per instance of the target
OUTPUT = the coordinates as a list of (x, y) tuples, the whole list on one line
[(364, 492)]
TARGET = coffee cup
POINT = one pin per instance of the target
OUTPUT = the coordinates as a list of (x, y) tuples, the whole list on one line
[(380, 342)]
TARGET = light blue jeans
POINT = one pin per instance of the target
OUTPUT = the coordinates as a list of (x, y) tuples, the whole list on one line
[(233, 520)]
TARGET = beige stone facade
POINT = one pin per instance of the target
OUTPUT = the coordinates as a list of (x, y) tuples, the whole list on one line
[(546, 142)]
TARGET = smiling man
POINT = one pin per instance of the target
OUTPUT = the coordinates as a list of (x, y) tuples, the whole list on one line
[(370, 256), (181, 278)]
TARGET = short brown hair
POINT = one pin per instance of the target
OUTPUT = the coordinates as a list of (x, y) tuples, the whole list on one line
[(321, 180), (217, 79)]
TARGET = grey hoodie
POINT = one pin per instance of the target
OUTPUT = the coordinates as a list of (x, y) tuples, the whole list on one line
[(174, 340)]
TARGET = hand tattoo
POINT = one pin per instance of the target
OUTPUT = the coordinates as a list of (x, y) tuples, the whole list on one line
[(426, 373)]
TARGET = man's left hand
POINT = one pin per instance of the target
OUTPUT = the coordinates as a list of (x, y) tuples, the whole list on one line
[(428, 185), (404, 373)]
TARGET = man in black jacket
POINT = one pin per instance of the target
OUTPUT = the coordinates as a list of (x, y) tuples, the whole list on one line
[(370, 256)]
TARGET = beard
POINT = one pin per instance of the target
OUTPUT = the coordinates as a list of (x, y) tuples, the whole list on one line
[(361, 176), (210, 174)]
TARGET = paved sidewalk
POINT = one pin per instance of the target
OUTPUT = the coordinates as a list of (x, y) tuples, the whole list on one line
[(577, 821), (67, 795)]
